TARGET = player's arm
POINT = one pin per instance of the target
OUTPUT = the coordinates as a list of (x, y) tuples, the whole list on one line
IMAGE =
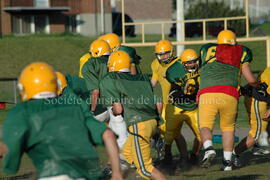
[(248, 75), (91, 78), (94, 99), (159, 107), (117, 108), (154, 78), (246, 70), (14, 132), (3, 149), (133, 69), (113, 152), (266, 115)]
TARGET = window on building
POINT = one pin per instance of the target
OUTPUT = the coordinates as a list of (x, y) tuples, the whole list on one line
[(21, 24), (41, 3)]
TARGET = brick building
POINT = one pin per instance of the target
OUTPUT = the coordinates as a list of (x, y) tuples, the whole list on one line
[(54, 16)]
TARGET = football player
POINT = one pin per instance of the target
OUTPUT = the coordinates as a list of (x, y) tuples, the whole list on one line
[(256, 106), (58, 136), (132, 96), (184, 78), (164, 59), (93, 71), (115, 44), (219, 79)]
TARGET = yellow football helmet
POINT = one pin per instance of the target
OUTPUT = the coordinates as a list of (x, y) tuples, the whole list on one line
[(190, 60), (113, 40), (99, 48), (37, 81), (61, 82), (119, 61), (164, 51), (226, 37)]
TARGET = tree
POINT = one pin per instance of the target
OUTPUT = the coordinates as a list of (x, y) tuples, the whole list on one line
[(215, 9)]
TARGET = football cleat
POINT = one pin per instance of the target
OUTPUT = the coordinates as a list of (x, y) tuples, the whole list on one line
[(226, 165), (236, 161), (259, 151), (209, 155)]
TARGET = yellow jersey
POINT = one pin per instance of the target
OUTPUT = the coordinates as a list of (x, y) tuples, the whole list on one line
[(159, 74), (264, 77)]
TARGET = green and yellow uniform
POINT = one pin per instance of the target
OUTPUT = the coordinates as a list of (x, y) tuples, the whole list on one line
[(83, 60), (256, 108), (135, 59), (159, 74), (93, 71), (183, 105), (135, 94), (78, 86), (220, 74), (58, 135)]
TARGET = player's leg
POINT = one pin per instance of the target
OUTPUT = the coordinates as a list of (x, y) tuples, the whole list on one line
[(192, 122), (228, 112), (172, 132), (207, 114), (253, 108), (142, 133), (259, 147), (118, 125)]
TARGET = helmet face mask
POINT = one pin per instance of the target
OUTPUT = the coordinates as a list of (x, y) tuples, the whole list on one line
[(190, 60), (192, 65), (164, 51), (164, 57)]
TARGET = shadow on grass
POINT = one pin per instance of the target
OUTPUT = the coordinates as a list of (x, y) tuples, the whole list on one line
[(17, 177), (244, 177), (246, 158)]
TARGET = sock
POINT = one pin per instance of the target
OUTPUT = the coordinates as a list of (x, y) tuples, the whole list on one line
[(227, 155), (207, 144)]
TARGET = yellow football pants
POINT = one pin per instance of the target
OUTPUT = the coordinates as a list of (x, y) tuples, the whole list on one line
[(137, 147), (211, 104), (256, 110), (162, 127), (175, 118)]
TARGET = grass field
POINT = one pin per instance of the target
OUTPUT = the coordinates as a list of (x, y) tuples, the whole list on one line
[(64, 52)]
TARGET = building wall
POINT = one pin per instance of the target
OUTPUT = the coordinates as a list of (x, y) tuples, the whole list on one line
[(57, 23), (88, 12), (148, 11), (90, 24), (5, 18)]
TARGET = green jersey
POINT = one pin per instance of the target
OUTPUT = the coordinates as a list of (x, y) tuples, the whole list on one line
[(178, 76), (78, 86), (135, 59), (134, 92), (58, 135), (221, 64), (94, 70)]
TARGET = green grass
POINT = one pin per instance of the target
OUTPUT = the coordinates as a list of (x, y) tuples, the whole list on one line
[(265, 27), (63, 53)]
